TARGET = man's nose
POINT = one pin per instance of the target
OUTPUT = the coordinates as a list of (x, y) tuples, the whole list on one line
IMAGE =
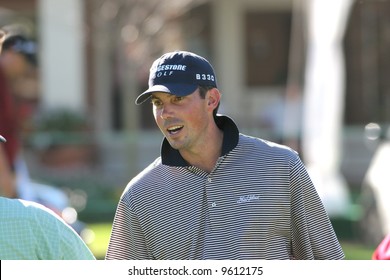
[(166, 112)]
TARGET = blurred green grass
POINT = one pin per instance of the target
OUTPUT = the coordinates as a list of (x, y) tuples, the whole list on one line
[(98, 239), (98, 235), (356, 251)]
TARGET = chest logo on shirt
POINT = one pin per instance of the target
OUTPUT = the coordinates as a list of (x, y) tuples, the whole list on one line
[(248, 198)]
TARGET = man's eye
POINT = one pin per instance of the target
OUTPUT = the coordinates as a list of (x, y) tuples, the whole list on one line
[(157, 103), (179, 98)]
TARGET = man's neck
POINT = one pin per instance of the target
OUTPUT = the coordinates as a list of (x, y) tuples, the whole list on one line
[(206, 157)]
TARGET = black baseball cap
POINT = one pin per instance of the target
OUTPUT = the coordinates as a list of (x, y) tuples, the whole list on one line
[(21, 44), (178, 73), (2, 139)]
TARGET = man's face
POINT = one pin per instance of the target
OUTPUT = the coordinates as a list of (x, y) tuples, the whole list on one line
[(183, 120), (15, 64)]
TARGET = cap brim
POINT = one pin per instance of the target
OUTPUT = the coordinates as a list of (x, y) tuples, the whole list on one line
[(175, 89)]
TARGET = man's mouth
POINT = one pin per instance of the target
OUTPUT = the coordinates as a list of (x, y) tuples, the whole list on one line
[(174, 129)]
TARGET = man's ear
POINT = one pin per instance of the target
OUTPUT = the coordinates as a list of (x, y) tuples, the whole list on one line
[(213, 98)]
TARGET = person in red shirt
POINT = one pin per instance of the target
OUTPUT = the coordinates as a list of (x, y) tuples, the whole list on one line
[(16, 58), (382, 252)]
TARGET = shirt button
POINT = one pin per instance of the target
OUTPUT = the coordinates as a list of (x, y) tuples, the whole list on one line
[(214, 204), (209, 179)]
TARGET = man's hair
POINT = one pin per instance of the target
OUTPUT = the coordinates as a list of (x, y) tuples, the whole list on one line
[(203, 91)]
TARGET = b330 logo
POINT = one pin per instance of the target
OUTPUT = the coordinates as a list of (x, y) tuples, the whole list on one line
[(205, 77)]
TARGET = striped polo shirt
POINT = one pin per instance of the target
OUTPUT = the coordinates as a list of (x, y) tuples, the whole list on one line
[(257, 203)]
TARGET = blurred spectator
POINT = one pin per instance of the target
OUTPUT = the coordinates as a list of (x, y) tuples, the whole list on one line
[(17, 88), (29, 230), (17, 59)]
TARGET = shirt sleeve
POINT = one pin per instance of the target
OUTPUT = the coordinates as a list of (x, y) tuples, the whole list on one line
[(127, 241), (56, 240), (313, 236), (72, 245)]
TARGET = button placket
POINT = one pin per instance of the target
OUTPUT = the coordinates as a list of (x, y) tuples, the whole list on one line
[(213, 200), (210, 198)]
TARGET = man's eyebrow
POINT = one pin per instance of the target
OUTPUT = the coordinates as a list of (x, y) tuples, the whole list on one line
[(169, 95)]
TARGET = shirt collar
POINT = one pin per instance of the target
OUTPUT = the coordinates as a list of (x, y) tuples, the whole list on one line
[(172, 157)]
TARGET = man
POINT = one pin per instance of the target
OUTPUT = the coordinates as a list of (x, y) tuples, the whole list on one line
[(215, 193)]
